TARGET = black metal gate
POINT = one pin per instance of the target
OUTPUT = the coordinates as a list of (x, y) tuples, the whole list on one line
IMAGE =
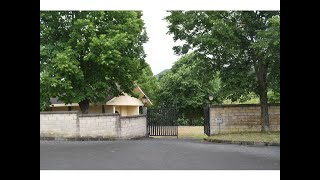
[(162, 122), (207, 121)]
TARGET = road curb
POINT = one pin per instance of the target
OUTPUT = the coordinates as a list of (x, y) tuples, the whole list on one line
[(241, 142)]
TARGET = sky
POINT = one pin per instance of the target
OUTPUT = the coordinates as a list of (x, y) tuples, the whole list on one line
[(160, 55)]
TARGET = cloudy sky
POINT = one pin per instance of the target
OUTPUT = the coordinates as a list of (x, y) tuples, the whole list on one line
[(159, 51)]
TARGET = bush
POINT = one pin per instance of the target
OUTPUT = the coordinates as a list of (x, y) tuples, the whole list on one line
[(190, 122), (182, 122)]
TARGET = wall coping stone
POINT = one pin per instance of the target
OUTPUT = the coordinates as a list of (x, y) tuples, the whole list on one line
[(240, 105), (91, 115), (59, 112), (134, 116), (98, 114)]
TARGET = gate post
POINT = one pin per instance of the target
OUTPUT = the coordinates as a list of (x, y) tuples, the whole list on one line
[(206, 122), (144, 110), (209, 120)]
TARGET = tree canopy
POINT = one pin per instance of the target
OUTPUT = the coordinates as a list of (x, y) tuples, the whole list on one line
[(188, 87), (243, 46), (149, 84), (84, 56)]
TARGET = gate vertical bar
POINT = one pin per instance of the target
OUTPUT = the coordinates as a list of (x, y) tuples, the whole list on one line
[(162, 121)]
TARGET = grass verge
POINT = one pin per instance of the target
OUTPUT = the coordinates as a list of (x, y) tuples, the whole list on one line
[(273, 137)]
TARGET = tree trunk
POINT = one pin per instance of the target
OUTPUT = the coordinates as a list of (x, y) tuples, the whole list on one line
[(262, 85), (261, 68), (264, 112), (84, 106)]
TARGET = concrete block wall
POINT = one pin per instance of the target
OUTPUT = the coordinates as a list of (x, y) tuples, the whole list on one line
[(71, 124), (242, 118), (59, 124), (133, 126), (99, 125)]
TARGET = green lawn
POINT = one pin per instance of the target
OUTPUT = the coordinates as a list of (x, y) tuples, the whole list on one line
[(273, 137)]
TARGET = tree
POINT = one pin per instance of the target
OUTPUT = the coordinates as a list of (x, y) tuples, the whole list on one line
[(243, 46), (186, 86), (86, 55), (149, 84)]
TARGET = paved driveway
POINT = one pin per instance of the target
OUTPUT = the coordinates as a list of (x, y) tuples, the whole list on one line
[(166, 154)]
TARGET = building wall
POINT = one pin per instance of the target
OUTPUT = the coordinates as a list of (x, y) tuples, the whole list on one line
[(127, 110), (95, 109), (123, 110), (132, 110), (64, 108), (109, 109), (118, 109), (75, 108), (71, 124), (242, 118), (92, 109)]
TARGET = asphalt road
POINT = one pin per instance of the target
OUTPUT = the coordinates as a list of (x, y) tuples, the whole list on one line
[(156, 154)]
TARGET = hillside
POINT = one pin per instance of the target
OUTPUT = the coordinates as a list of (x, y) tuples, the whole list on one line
[(160, 73)]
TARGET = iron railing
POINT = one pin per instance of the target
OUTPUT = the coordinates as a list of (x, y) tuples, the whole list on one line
[(162, 122)]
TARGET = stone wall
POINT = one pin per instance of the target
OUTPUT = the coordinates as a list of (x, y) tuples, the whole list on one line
[(70, 124), (62, 124), (241, 118), (99, 125), (133, 126)]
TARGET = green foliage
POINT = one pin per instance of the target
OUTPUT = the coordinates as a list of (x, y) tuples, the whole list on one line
[(149, 84), (268, 46), (44, 101), (89, 54), (250, 98), (243, 46), (188, 87), (274, 96), (183, 122)]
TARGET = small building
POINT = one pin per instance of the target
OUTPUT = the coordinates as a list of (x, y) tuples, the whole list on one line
[(125, 104)]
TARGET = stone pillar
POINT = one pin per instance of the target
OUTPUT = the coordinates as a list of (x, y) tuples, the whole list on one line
[(144, 110)]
